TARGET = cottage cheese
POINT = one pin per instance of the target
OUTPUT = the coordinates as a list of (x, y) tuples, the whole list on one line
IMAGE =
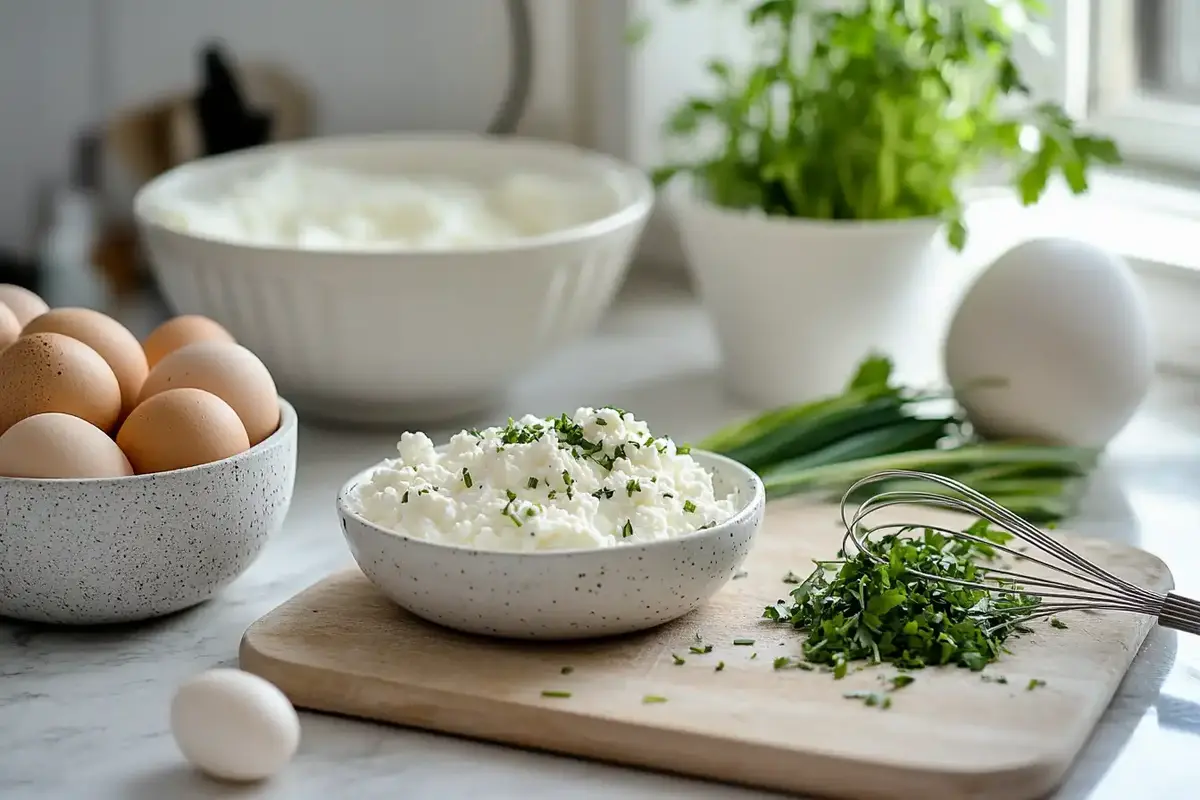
[(311, 207), (597, 478)]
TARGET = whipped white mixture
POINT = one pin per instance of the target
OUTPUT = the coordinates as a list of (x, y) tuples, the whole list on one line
[(597, 478), (293, 204)]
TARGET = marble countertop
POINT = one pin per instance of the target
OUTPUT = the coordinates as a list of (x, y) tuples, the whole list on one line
[(83, 713)]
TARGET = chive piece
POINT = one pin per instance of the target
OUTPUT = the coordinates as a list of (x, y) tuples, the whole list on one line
[(1034, 683), (753, 656), (720, 666), (781, 662), (678, 660), (902, 680), (689, 506), (532, 483), (467, 478), (743, 642), (627, 529), (567, 670), (653, 698), (404, 499), (631, 486), (1058, 623), (552, 494), (567, 480), (701, 649), (683, 449), (554, 693), (601, 422)]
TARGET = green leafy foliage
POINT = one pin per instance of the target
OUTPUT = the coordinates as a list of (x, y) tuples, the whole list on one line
[(858, 609), (878, 109)]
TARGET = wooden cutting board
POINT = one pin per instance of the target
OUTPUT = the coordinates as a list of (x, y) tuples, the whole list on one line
[(341, 647)]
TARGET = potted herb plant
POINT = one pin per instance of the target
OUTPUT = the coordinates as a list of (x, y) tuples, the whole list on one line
[(833, 162)]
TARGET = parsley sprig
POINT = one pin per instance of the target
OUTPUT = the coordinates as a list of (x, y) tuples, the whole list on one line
[(856, 609)]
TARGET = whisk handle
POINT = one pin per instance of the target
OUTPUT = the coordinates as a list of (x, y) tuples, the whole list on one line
[(1180, 613)]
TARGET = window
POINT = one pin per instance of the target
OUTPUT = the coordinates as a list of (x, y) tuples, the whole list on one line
[(1136, 72)]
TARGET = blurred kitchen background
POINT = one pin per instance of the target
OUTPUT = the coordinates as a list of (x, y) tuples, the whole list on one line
[(74, 74)]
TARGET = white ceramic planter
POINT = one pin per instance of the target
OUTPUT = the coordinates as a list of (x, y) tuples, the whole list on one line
[(798, 303)]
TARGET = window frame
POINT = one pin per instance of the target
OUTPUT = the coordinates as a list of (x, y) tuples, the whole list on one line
[(1103, 76)]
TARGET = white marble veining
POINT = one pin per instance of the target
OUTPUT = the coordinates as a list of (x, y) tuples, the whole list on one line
[(83, 713)]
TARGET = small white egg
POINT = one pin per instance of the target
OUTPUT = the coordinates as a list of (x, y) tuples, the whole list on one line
[(1052, 343), (233, 725)]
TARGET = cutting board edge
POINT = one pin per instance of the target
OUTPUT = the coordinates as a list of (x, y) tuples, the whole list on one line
[(725, 760)]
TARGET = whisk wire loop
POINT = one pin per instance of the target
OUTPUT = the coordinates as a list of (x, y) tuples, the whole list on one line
[(1088, 587)]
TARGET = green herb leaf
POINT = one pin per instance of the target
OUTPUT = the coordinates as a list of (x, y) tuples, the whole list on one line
[(743, 642), (1034, 683), (653, 698), (554, 693), (677, 659), (720, 667)]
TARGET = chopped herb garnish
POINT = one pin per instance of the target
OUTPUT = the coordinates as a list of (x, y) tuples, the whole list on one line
[(743, 642), (753, 656), (554, 693), (902, 680), (1034, 683), (689, 506), (512, 496), (567, 670), (720, 666), (627, 529), (701, 649), (653, 698), (632, 486), (601, 422), (532, 483), (870, 698), (603, 494), (552, 494), (856, 609), (529, 512), (677, 659), (467, 478), (683, 449), (1058, 623), (404, 497), (781, 662), (567, 479)]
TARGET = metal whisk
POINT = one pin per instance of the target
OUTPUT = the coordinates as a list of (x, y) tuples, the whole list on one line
[(1088, 587)]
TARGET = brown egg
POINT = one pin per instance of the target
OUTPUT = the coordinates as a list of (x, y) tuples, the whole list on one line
[(60, 446), (46, 372), (10, 326), (181, 428), (180, 332), (106, 336), (229, 371), (22, 302)]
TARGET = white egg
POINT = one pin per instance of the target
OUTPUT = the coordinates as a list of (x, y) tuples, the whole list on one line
[(233, 725), (1052, 343)]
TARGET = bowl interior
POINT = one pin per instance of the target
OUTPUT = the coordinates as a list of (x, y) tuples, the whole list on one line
[(613, 186)]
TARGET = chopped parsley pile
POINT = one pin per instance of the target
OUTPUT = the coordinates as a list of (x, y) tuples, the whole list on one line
[(856, 609)]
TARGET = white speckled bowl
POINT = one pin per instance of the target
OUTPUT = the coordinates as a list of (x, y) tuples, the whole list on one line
[(86, 552), (559, 594)]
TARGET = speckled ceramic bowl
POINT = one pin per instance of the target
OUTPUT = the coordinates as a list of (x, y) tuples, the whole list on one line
[(85, 552), (559, 594)]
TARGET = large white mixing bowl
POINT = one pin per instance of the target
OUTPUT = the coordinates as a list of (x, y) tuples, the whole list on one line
[(399, 335)]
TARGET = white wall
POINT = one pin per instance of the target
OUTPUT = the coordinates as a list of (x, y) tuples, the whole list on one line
[(373, 65)]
